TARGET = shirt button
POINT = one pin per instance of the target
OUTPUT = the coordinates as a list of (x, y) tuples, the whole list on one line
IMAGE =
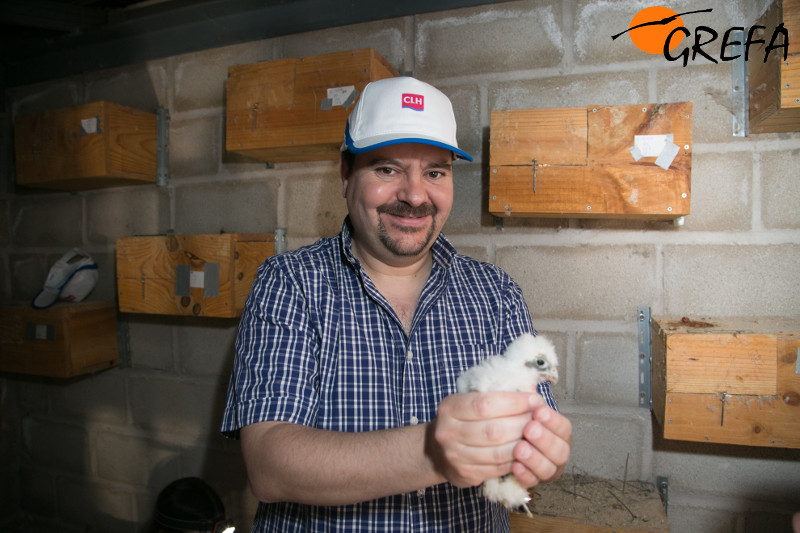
[(420, 492), (410, 354), (414, 420)]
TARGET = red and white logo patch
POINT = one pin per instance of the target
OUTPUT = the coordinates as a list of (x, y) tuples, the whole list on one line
[(414, 101)]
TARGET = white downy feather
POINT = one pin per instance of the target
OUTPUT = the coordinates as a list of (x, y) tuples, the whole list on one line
[(527, 361)]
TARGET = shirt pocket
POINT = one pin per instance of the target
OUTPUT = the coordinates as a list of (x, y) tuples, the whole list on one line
[(454, 360)]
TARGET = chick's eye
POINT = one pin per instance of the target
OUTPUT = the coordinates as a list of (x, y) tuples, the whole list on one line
[(541, 363)]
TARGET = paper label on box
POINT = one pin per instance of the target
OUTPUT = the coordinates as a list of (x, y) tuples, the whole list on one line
[(341, 95), (651, 145), (196, 279), (90, 125), (41, 332), (661, 147)]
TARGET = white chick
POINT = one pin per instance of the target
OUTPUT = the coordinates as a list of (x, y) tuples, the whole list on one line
[(527, 361)]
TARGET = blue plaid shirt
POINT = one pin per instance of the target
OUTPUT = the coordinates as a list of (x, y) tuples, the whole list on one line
[(318, 345)]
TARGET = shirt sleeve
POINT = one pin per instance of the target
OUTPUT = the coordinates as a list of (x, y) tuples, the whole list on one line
[(275, 371)]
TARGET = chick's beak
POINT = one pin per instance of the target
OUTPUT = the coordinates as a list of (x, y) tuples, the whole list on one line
[(553, 375)]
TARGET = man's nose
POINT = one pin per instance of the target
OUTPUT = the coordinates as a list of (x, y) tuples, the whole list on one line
[(412, 189)]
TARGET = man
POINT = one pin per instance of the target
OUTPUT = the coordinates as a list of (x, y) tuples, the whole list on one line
[(344, 384)]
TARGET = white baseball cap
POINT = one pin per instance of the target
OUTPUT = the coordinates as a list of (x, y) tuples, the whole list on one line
[(401, 110), (71, 278)]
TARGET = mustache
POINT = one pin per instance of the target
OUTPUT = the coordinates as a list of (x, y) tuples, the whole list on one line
[(404, 210)]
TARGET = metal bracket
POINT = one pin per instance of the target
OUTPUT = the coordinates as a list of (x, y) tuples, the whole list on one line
[(645, 358), (663, 491), (740, 97), (162, 147), (280, 240)]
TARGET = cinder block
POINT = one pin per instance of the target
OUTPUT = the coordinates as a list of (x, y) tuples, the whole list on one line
[(314, 206), (469, 197), (582, 283), (115, 213), (53, 220), (752, 472), (200, 77), (61, 447), (44, 96), (36, 492), (693, 518), (388, 37), (97, 507), (194, 146), (595, 23), (491, 38), (96, 398), (467, 110), (194, 407), (780, 194), (476, 252), (718, 201), (136, 461), (151, 341), (206, 349), (731, 280), (708, 87), (578, 90), (141, 85), (229, 207), (604, 370), (616, 439), (28, 273), (5, 230)]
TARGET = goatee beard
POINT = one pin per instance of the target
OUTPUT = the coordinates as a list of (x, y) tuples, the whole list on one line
[(405, 210)]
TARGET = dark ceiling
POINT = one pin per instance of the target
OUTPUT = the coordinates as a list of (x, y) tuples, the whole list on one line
[(48, 39)]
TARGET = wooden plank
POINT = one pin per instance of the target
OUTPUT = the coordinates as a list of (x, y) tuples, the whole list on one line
[(146, 272), (791, 21), (249, 256), (53, 150), (634, 190), (732, 363), (612, 131), (274, 110), (790, 83), (65, 340), (549, 136), (752, 360)]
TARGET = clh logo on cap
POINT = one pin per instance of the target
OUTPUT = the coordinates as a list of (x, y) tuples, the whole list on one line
[(414, 101)]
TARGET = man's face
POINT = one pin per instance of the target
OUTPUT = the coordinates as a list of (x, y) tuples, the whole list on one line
[(398, 197)]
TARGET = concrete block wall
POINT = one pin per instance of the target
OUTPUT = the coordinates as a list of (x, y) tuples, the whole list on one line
[(92, 453)]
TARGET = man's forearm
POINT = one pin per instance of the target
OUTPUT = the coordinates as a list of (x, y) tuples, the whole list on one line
[(288, 462)]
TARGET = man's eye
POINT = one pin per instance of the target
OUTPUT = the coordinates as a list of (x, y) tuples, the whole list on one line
[(436, 174), (385, 170)]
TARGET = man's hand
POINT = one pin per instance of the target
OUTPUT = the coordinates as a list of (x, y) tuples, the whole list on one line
[(480, 435), (543, 454)]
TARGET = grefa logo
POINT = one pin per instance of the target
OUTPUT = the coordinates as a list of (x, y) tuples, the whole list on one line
[(660, 30), (414, 101)]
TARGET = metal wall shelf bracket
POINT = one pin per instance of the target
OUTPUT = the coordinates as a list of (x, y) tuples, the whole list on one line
[(740, 91), (162, 147), (645, 357), (663, 491)]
